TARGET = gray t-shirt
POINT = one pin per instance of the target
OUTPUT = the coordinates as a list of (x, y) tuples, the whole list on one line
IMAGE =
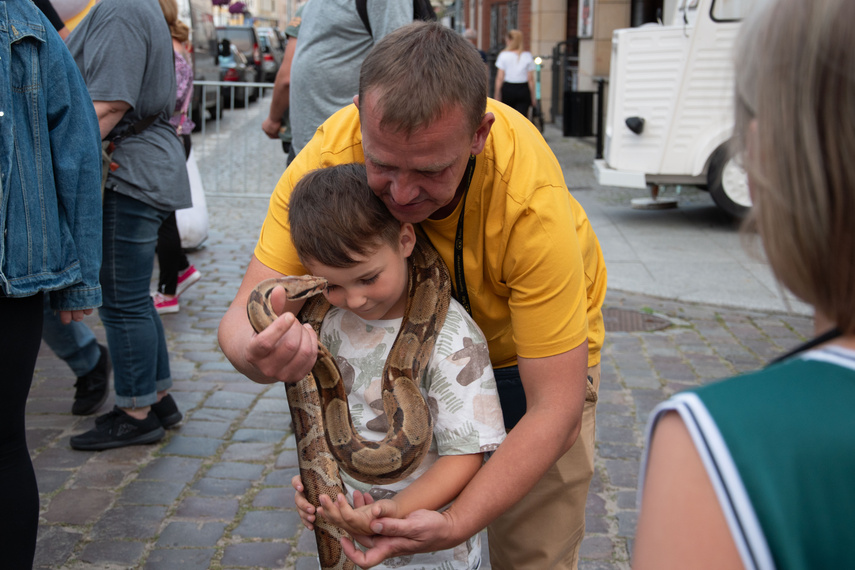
[(123, 49), (333, 43)]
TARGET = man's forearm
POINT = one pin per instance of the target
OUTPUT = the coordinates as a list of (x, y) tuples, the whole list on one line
[(233, 334), (281, 99), (555, 394), (236, 335), (514, 469)]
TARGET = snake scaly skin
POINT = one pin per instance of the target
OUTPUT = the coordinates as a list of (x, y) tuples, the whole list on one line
[(326, 438)]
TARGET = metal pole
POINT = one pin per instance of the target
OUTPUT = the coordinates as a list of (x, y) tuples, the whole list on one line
[(458, 16), (537, 108), (601, 89)]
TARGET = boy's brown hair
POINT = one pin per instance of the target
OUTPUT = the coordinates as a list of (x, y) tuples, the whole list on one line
[(334, 215)]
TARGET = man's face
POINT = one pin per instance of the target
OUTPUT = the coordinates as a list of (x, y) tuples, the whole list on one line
[(417, 176)]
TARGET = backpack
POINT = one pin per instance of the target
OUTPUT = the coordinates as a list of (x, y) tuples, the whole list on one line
[(422, 10)]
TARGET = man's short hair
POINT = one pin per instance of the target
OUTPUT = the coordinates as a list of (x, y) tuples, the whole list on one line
[(334, 216), (418, 70)]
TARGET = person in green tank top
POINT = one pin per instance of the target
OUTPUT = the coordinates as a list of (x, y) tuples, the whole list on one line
[(757, 471)]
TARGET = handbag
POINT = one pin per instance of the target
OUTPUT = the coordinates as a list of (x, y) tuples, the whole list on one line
[(193, 222)]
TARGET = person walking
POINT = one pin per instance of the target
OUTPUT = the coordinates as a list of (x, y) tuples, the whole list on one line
[(325, 71), (487, 191), (124, 51), (515, 76), (177, 274), (51, 166)]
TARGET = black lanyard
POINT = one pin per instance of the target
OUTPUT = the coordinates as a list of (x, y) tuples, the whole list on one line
[(816, 341), (459, 279)]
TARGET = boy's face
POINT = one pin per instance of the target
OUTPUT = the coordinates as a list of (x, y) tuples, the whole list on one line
[(376, 287)]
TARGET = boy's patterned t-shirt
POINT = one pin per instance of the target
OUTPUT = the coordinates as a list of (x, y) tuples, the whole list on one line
[(458, 385)]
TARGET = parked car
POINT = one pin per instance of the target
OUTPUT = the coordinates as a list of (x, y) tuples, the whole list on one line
[(246, 40), (198, 15), (235, 68), (272, 52)]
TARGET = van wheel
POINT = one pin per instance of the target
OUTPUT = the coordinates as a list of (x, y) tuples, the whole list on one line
[(728, 184)]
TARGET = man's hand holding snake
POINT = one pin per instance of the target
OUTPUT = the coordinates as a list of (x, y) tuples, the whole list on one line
[(285, 350), (420, 531)]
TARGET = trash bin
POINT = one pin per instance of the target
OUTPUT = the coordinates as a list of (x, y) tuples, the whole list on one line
[(579, 113)]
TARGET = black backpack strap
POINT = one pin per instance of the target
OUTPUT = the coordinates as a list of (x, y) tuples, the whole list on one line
[(362, 10), (141, 125), (423, 10), (136, 128), (816, 341)]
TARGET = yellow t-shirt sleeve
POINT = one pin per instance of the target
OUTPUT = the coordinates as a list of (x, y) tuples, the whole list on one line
[(546, 277)]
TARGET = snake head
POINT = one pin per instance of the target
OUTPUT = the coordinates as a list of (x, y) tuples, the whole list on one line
[(297, 287)]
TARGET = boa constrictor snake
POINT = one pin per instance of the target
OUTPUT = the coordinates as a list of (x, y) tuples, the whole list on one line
[(326, 438)]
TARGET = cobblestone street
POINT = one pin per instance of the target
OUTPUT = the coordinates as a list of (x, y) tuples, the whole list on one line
[(215, 493)]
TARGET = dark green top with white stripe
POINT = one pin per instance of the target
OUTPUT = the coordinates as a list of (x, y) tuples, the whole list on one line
[(779, 447)]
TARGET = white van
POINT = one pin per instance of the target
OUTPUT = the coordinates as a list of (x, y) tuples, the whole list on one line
[(670, 104)]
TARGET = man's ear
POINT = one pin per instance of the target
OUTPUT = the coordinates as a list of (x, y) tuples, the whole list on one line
[(356, 100), (480, 138), (407, 239)]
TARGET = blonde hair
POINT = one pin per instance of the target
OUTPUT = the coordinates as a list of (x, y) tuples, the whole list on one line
[(420, 69), (795, 74), (515, 41), (177, 28)]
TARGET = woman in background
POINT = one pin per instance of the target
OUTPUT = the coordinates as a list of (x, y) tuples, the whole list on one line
[(123, 50), (515, 75), (757, 471), (176, 272)]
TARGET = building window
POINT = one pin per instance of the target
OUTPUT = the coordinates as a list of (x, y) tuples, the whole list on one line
[(503, 18)]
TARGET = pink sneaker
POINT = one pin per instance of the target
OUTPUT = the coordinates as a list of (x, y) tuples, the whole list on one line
[(187, 278), (164, 305)]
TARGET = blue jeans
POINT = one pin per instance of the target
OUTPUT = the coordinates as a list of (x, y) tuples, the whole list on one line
[(512, 394), (134, 331), (74, 343)]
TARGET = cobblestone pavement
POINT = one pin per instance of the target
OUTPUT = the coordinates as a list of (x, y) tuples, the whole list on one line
[(215, 492)]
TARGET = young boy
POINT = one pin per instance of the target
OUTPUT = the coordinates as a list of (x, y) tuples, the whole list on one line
[(344, 233)]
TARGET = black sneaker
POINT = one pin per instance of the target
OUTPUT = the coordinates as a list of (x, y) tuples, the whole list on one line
[(167, 411), (91, 389), (118, 429)]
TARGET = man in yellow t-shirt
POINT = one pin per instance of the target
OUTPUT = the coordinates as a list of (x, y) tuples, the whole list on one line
[(529, 268)]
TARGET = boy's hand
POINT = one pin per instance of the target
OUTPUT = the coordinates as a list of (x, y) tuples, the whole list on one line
[(356, 520), (304, 508)]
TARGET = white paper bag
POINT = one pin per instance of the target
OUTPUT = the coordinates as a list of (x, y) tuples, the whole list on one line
[(193, 222)]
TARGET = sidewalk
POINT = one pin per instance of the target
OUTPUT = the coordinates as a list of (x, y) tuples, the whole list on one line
[(215, 492)]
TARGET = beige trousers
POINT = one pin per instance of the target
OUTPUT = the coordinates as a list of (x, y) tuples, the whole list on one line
[(545, 529)]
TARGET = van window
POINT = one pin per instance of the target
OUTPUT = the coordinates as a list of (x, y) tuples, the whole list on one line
[(730, 10)]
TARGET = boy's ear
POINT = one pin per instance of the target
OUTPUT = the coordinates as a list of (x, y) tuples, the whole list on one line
[(407, 239)]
